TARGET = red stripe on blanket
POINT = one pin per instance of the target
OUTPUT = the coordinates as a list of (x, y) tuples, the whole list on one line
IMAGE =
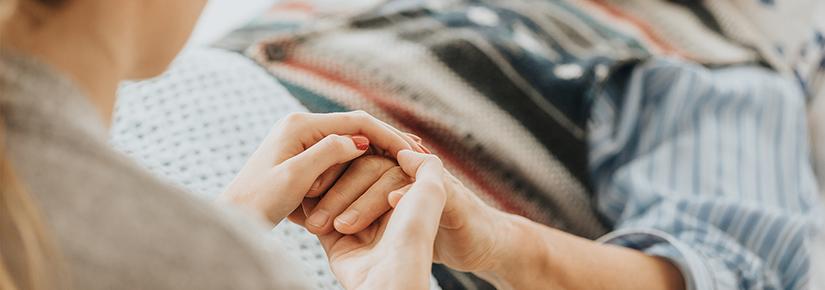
[(294, 6), (649, 32), (402, 115)]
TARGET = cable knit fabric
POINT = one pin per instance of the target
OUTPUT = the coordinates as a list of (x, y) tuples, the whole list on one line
[(198, 123)]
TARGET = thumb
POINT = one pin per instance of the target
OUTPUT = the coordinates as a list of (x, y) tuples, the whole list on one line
[(303, 169), (418, 212), (413, 225)]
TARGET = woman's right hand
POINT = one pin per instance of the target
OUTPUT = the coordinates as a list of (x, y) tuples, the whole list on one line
[(304, 154)]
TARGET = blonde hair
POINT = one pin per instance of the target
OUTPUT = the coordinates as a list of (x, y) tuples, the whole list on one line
[(25, 248)]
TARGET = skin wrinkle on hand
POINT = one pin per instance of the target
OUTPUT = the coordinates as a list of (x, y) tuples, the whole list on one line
[(277, 177), (522, 254)]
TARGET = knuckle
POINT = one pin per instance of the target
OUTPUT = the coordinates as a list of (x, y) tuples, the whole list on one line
[(396, 176), (434, 160), (360, 113), (337, 196), (370, 163), (294, 121), (334, 143), (296, 118), (361, 116), (286, 173)]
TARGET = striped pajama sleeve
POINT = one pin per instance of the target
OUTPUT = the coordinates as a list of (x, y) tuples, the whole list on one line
[(710, 169)]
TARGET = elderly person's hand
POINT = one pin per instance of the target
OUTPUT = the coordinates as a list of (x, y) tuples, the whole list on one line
[(358, 197), (470, 231), (350, 198), (395, 252), (371, 183), (303, 153), (507, 250)]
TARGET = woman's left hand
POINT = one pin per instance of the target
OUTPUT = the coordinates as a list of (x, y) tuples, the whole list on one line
[(305, 153), (396, 252)]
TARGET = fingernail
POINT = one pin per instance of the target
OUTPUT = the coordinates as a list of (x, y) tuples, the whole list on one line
[(396, 196), (318, 219), (361, 142), (348, 217)]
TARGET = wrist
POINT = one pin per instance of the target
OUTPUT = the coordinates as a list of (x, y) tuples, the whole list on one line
[(251, 208), (523, 253)]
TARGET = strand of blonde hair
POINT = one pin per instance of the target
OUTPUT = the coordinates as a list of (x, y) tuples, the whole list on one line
[(25, 247)]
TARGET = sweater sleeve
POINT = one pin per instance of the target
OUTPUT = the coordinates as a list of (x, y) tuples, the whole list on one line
[(709, 169)]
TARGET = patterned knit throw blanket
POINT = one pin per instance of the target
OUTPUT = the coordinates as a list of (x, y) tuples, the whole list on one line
[(500, 90)]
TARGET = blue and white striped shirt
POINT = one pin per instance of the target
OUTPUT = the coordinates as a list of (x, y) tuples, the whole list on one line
[(709, 168)]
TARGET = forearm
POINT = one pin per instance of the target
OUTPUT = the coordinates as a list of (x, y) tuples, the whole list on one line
[(534, 256)]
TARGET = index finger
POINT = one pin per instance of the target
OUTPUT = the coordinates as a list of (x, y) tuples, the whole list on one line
[(380, 134)]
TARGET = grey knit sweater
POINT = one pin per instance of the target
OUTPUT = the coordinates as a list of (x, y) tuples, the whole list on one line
[(116, 226)]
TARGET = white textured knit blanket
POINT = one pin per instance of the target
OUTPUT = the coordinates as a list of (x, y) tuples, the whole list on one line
[(197, 124)]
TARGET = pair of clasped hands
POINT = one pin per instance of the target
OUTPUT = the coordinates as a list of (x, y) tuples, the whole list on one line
[(383, 208)]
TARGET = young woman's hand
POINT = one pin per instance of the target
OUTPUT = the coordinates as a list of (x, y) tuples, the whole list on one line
[(470, 235), (304, 153), (396, 251)]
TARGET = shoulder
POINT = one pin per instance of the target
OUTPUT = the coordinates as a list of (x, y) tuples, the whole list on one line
[(120, 227)]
